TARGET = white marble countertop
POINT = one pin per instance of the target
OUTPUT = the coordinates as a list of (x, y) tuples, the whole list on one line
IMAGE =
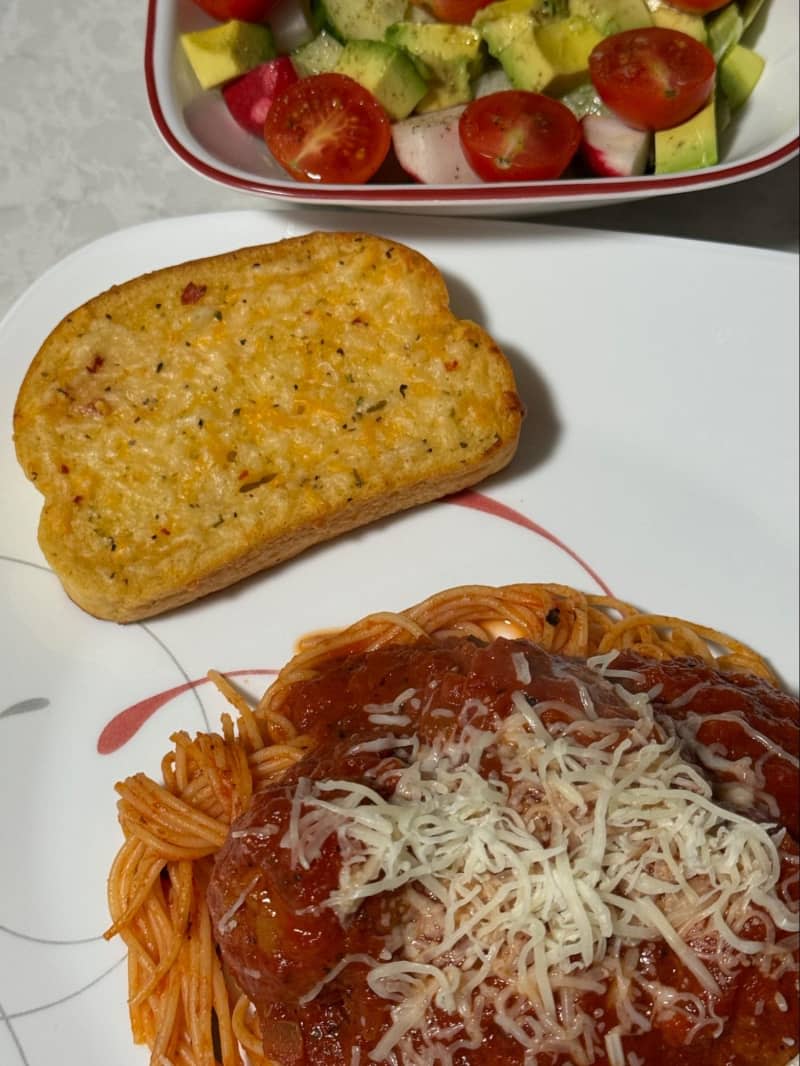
[(80, 156)]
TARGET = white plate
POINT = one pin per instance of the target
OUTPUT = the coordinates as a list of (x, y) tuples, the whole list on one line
[(197, 127), (660, 448)]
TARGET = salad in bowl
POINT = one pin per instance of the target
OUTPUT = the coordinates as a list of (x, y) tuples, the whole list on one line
[(502, 99)]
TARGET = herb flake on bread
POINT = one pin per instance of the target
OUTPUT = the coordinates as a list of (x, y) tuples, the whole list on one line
[(203, 422)]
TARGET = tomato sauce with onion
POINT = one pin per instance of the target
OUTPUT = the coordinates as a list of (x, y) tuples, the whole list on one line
[(281, 944)]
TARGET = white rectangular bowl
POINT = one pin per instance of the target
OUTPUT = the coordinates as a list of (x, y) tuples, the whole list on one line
[(197, 127)]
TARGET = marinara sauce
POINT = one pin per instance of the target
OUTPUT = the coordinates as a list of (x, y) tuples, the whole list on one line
[(281, 945)]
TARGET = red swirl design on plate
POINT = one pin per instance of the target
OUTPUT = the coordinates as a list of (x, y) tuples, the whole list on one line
[(127, 723), (478, 502)]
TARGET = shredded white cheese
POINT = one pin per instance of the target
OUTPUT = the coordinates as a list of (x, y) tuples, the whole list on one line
[(522, 667), (544, 877)]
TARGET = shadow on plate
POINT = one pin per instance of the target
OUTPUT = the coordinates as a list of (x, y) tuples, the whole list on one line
[(540, 427)]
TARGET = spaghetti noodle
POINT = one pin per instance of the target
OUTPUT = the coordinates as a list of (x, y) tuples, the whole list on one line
[(182, 1003)]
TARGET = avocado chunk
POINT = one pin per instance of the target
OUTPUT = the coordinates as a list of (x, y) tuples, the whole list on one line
[(664, 14), (361, 20), (724, 30), (501, 9), (552, 57), (540, 10), (449, 57), (317, 56), (524, 61), (387, 72), (568, 43), (509, 29), (224, 52), (691, 145), (501, 32), (612, 16), (738, 74), (723, 111)]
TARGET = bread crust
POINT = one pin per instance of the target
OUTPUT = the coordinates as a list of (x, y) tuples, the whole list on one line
[(203, 422)]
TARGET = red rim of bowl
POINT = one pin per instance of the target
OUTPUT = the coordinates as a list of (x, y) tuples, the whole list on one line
[(585, 189)]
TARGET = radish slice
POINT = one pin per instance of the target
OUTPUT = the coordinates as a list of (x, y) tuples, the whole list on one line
[(428, 147), (612, 149), (250, 97)]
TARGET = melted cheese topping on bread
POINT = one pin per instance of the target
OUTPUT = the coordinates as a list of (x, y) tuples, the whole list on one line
[(199, 423)]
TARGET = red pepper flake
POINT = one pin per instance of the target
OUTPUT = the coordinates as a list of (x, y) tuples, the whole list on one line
[(64, 468), (77, 499), (243, 475), (192, 293), (95, 364), (451, 364), (165, 531)]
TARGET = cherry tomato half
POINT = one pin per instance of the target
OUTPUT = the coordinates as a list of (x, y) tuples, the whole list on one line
[(518, 136), (652, 78), (328, 128), (461, 11), (246, 10)]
